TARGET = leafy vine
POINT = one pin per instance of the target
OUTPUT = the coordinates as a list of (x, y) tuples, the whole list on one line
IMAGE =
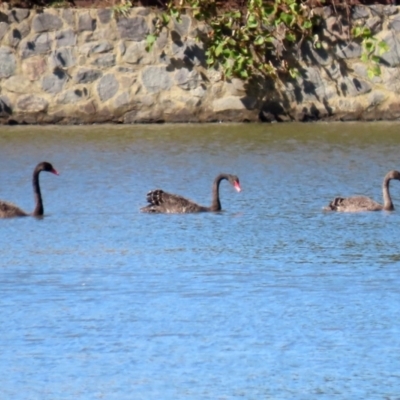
[(256, 39)]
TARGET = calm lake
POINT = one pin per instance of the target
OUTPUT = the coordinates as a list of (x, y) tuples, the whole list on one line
[(272, 298)]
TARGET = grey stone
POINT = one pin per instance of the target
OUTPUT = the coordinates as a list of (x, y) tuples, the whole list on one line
[(68, 16), (395, 23), (313, 85), (66, 37), (391, 80), (227, 104), (107, 87), (133, 28), (34, 67), (162, 40), (18, 14), (374, 24), (72, 96), (334, 70), (376, 9), (96, 47), (136, 53), (3, 29), (376, 97), (156, 79), (5, 106), (40, 44), (32, 103), (107, 33), (335, 28), (126, 70), (104, 61), (200, 91), (55, 82), (392, 56), (63, 58), (17, 34), (86, 23), (360, 12), (353, 86), (186, 79), (17, 84), (104, 15), (46, 22), (4, 17), (390, 10), (314, 55), (182, 27), (361, 69), (87, 75), (8, 62), (327, 11), (144, 11), (122, 100), (351, 50), (194, 52)]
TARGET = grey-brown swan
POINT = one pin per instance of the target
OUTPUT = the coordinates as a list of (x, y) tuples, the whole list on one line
[(163, 202), (8, 210), (363, 203)]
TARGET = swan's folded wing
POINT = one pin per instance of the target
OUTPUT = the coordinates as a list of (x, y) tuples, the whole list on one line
[(354, 204), (8, 210), (163, 202)]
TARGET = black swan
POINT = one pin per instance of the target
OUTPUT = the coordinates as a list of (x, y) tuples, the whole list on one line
[(163, 202), (8, 210), (363, 203)]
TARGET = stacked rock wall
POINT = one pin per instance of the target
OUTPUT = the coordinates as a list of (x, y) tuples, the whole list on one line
[(88, 66)]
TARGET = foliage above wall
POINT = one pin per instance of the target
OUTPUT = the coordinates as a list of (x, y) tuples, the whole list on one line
[(259, 36)]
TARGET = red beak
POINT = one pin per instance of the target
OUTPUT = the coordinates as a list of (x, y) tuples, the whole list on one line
[(55, 172), (237, 186)]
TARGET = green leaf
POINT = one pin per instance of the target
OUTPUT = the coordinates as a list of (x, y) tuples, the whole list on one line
[(150, 39), (287, 18), (383, 47), (260, 40), (290, 37), (252, 22), (165, 18), (374, 71), (375, 59), (307, 24), (243, 74), (210, 61), (294, 7), (294, 73), (219, 49), (369, 46)]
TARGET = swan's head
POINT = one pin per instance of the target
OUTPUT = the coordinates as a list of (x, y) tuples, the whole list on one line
[(46, 166), (234, 181), (394, 175)]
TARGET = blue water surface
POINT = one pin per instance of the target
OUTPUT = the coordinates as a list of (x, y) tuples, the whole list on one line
[(270, 299)]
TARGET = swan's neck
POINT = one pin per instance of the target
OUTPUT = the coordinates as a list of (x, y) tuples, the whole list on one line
[(216, 204), (38, 211), (387, 200)]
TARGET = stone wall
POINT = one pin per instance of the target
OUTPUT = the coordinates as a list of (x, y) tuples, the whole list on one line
[(87, 66)]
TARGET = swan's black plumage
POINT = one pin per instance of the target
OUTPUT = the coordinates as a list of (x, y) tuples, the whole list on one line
[(9, 210), (363, 203), (163, 202)]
